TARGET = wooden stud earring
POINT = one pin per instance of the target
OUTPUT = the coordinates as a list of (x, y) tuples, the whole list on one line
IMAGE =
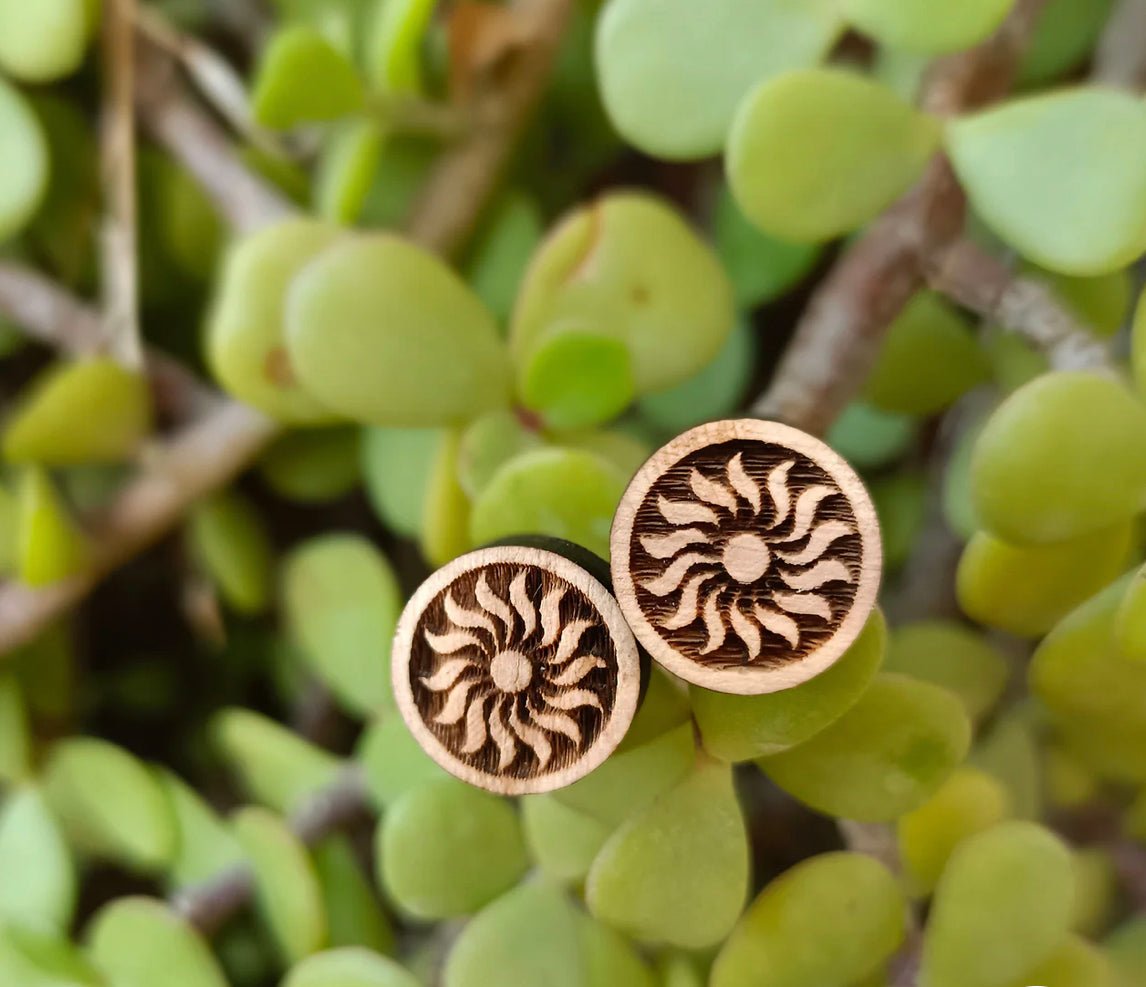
[(746, 556), (514, 668)]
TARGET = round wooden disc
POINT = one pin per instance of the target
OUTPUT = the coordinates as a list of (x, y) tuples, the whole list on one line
[(515, 670), (746, 556)]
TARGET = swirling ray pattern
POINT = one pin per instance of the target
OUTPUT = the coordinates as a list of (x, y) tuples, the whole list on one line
[(515, 674), (751, 552)]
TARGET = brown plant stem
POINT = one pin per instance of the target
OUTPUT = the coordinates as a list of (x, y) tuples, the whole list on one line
[(837, 340), (119, 235), (214, 77), (198, 459), (47, 313), (986, 285), (1130, 865), (1120, 59), (449, 207), (209, 905), (201, 146)]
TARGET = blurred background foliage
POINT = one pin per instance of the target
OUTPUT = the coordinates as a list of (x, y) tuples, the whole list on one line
[(300, 299)]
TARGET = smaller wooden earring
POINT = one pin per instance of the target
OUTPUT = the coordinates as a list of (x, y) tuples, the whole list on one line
[(746, 556), (514, 668)]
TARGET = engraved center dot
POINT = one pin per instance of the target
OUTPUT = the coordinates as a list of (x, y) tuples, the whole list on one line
[(510, 671), (746, 557)]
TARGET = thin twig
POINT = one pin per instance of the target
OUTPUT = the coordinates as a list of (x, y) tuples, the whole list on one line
[(46, 312), (197, 142), (986, 285), (1130, 864), (838, 339), (449, 207), (904, 971), (209, 905), (214, 77), (1120, 58), (199, 459), (876, 840), (117, 149)]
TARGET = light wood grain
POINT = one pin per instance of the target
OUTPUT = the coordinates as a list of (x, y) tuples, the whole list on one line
[(746, 556), (515, 670)]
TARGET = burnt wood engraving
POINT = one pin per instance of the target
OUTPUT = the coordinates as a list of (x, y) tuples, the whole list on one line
[(515, 670), (746, 556)]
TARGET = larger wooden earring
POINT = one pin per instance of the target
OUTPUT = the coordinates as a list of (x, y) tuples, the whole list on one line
[(746, 556), (515, 670)]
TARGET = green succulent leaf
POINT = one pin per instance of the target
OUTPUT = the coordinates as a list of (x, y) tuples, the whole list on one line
[(349, 968), (1034, 464), (671, 81), (45, 41), (245, 344), (928, 359), (276, 766), (869, 147), (342, 601), (393, 44), (25, 165), (1077, 963), (396, 467), (631, 780), (715, 391), (354, 916), (229, 540), (562, 841), (913, 24), (394, 762), (446, 849), (346, 170), (205, 845), (1065, 32), (761, 267), (885, 756), (1130, 621), (847, 899), (314, 466), (139, 942), (39, 888), (563, 493), (967, 803), (528, 937), (91, 411), (1015, 160), (676, 873), (1027, 589), (953, 656), (287, 889), (36, 959), (501, 253), (110, 804), (1025, 873), (672, 307), (15, 739), (573, 377), (303, 78), (385, 333), (869, 438), (739, 728), (487, 444)]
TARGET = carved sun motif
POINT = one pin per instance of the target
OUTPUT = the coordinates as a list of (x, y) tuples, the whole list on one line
[(729, 538), (513, 674)]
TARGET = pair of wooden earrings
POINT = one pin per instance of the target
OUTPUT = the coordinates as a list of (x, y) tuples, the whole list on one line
[(745, 558)]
